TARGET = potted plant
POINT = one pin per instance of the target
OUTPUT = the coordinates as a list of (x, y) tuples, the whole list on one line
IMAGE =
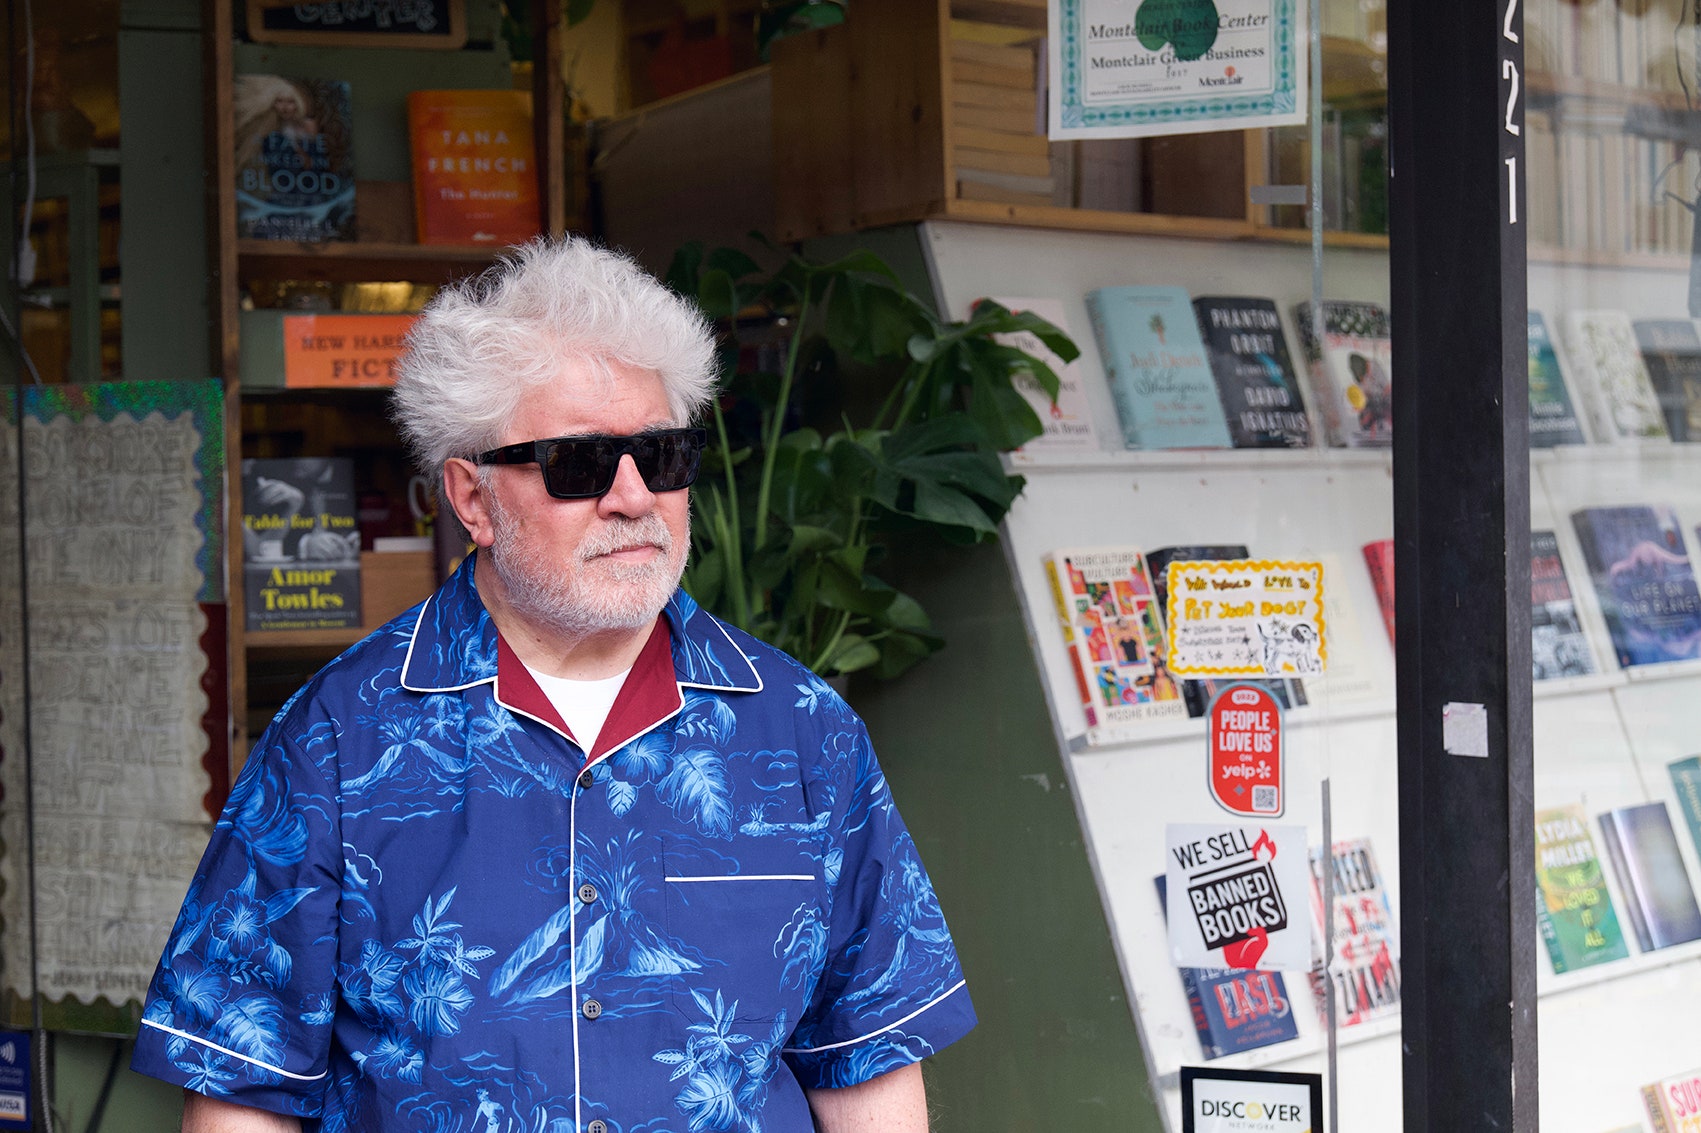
[(852, 418)]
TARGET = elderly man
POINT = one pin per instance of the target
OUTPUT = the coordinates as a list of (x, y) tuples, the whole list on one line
[(557, 851)]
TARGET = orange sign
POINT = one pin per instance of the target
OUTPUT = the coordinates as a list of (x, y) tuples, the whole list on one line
[(342, 351)]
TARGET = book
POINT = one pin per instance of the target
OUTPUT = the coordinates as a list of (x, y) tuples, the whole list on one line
[(1574, 910), (1154, 358), (294, 159), (1365, 970), (1198, 693), (1658, 900), (1613, 384), (1674, 1104), (1671, 350), (1068, 421), (1553, 414), (1234, 1009), (1686, 783), (474, 177), (300, 544), (1255, 375), (1558, 646), (1644, 580), (1115, 637), (1379, 560), (1351, 371)]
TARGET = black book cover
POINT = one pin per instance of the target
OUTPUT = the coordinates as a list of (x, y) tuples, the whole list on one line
[(1254, 371), (1671, 349), (300, 544)]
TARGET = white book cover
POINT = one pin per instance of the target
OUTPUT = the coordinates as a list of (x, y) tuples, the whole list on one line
[(1612, 380), (1069, 420)]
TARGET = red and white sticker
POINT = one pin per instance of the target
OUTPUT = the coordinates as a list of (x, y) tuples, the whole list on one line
[(1245, 739)]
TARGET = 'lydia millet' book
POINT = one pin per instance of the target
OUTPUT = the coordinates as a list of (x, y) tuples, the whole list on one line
[(1365, 971), (1643, 577), (1671, 349), (1115, 637), (301, 544), (1165, 393), (1613, 381), (1255, 375), (1574, 909), (294, 159), (1068, 421), (1558, 646), (1351, 371), (1553, 415), (1658, 899), (1235, 1009)]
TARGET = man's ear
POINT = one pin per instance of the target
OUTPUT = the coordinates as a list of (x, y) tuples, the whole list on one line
[(466, 494)]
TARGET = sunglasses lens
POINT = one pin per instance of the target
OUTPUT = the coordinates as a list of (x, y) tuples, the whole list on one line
[(583, 467), (669, 461)]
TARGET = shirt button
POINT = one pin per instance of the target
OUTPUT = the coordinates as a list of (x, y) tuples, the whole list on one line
[(587, 778), (591, 1009), (587, 893), (598, 1126)]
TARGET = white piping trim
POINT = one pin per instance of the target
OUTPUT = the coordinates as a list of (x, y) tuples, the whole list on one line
[(407, 660), (889, 1026), (715, 622), (232, 1053), (747, 877)]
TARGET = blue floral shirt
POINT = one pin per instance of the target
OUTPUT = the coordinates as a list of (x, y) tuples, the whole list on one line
[(425, 908)]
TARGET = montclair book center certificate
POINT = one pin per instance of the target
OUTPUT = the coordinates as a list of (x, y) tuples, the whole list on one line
[(1135, 68)]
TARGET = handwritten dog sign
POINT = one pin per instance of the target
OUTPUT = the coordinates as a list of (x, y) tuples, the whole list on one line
[(1245, 618), (1237, 896)]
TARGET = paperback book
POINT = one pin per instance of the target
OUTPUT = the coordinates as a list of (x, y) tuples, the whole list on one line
[(1364, 973), (1166, 396), (1686, 783), (1255, 375), (1114, 635), (1351, 371), (1558, 646), (1574, 910), (1658, 900), (1614, 384), (1644, 580), (1671, 349), (294, 159), (1068, 421), (474, 179), (1674, 1104), (1553, 414), (301, 544), (1379, 560)]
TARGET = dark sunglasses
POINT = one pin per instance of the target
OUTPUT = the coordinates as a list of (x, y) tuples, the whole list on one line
[(582, 468)]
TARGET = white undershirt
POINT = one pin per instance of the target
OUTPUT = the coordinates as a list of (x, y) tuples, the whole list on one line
[(584, 705)]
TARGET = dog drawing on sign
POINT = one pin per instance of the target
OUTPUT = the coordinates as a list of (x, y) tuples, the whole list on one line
[(1289, 646)]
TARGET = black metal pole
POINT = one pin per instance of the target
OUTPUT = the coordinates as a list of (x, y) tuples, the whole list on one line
[(1461, 525)]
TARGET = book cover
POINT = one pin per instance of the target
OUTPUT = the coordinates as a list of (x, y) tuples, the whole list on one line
[(300, 544), (1255, 375), (1644, 580), (474, 178), (1234, 1010), (1658, 900), (1198, 693), (1068, 421), (1365, 971), (1558, 646), (294, 159), (1553, 415), (1114, 633), (1674, 1104), (1671, 349), (1574, 909), (1614, 384), (1155, 361), (1379, 560), (1351, 371), (1686, 783)]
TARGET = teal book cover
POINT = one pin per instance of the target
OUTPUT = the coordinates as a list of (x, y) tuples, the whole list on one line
[(1553, 417), (1686, 782), (1159, 373)]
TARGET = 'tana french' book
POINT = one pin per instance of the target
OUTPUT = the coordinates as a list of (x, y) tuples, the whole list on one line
[(1365, 970), (1574, 909), (1114, 633), (1671, 349), (1553, 414), (1658, 899), (474, 177), (1068, 421), (1674, 1104), (1613, 381), (1255, 375), (1558, 645), (1351, 371), (1166, 396), (294, 159), (1643, 578)]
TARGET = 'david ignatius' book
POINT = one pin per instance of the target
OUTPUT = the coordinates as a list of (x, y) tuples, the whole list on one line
[(1643, 577), (1553, 413), (1351, 369), (474, 177), (1558, 646), (1612, 379), (1674, 1104), (1166, 395), (1671, 349), (1068, 420), (294, 159), (1658, 899), (301, 544), (1574, 909), (1255, 374), (1365, 971), (1115, 635)]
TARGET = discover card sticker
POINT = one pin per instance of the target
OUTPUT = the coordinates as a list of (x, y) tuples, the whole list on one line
[(1217, 1100), (1237, 896)]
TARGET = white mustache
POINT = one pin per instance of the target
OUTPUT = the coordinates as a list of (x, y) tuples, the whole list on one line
[(625, 534)]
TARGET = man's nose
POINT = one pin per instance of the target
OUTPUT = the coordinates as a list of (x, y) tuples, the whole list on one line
[(628, 495)]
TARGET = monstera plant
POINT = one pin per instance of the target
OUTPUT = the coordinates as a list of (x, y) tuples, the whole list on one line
[(853, 418)]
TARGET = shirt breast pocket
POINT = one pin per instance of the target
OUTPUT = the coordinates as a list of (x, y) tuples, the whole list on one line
[(756, 925)]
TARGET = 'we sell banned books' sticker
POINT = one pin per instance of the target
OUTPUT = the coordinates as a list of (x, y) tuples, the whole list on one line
[(1246, 618), (1236, 896)]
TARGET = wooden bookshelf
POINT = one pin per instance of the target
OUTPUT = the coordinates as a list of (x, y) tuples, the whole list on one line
[(390, 582), (355, 262)]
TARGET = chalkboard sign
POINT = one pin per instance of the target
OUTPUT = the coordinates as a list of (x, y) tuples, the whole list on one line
[(440, 24)]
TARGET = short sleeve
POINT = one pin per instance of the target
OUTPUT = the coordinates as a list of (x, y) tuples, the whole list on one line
[(892, 991), (241, 1004)]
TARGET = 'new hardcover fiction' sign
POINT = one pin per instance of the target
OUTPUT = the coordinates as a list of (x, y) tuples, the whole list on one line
[(1231, 889)]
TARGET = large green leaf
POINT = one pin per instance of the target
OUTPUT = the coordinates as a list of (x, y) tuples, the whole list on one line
[(1008, 419), (685, 268), (852, 653)]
